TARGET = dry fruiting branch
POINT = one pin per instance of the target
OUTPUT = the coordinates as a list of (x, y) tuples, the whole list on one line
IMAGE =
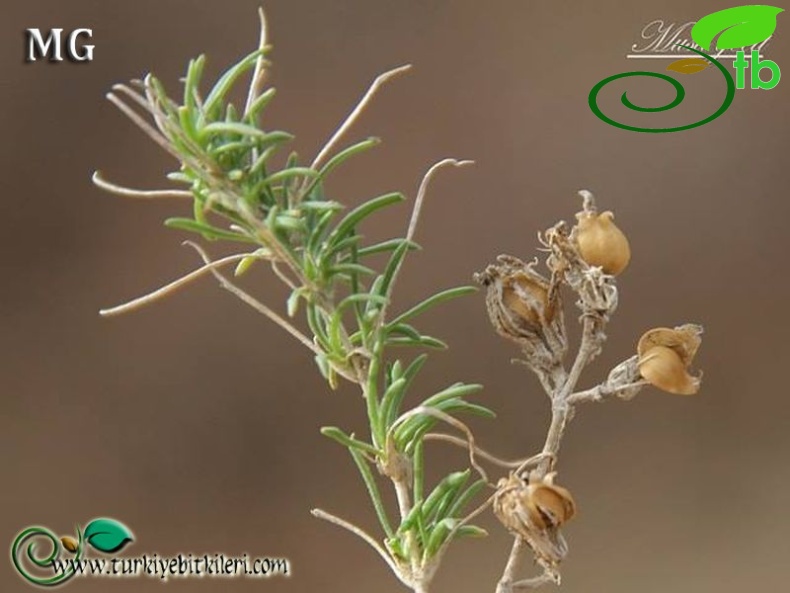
[(278, 210)]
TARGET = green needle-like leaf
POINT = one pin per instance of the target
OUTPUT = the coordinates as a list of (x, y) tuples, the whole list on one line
[(226, 81), (341, 437), (209, 232), (440, 297)]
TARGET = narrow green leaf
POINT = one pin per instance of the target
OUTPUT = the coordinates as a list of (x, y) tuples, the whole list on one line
[(439, 297), (426, 341), (244, 265), (186, 119), (396, 548), (353, 270), (258, 105), (361, 212), (392, 266), (419, 471), (209, 232), (410, 520), (289, 174), (360, 298), (386, 247), (470, 531), (346, 244), (314, 244), (396, 370), (226, 81), (192, 82), (341, 437), (455, 406), (372, 400), (414, 368), (438, 536), (292, 304), (392, 398), (456, 390), (457, 509), (448, 486), (321, 206), (232, 128), (402, 329), (317, 326), (287, 222), (259, 164), (339, 159), (373, 491), (231, 114)]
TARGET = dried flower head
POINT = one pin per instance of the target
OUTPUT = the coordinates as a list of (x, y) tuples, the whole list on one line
[(535, 511), (526, 307), (665, 356)]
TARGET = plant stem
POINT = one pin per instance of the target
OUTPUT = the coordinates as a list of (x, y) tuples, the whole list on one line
[(505, 583)]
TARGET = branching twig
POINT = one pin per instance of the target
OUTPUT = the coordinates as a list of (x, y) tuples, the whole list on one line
[(415, 217), (365, 537), (173, 286), (355, 113), (600, 392), (259, 74), (428, 411), (514, 464), (260, 307), (128, 192)]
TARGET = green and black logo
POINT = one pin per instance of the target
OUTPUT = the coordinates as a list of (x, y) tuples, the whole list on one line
[(732, 28)]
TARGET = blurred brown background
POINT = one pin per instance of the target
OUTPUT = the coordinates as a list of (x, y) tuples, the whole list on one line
[(195, 421)]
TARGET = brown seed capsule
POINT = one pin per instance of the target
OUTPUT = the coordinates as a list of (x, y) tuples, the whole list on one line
[(601, 243), (553, 505), (69, 543), (665, 355), (525, 307), (535, 511)]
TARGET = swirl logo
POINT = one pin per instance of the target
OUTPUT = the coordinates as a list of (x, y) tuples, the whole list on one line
[(731, 28), (105, 535)]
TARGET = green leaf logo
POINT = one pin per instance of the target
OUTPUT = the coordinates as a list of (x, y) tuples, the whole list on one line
[(107, 535), (739, 26)]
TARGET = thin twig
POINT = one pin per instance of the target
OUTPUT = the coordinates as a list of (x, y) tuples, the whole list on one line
[(602, 391), (351, 118), (513, 560), (321, 514), (128, 192), (285, 279), (516, 463), (172, 286), (535, 582), (260, 307), (150, 131), (428, 411), (415, 217), (259, 74)]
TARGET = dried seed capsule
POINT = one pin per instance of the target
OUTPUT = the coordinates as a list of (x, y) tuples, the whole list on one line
[(535, 511), (666, 354), (600, 243), (525, 307)]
